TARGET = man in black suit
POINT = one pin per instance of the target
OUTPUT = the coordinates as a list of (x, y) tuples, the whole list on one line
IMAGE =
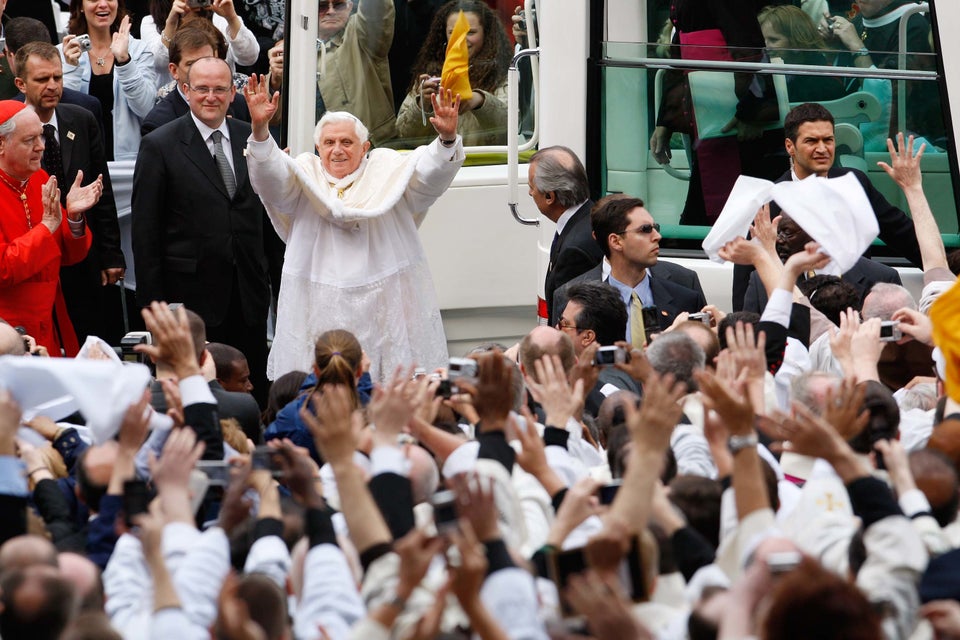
[(20, 31), (811, 146), (792, 239), (197, 223), (630, 240), (558, 186), (186, 47), (74, 145)]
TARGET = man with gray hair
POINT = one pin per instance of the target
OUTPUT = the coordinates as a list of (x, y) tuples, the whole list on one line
[(349, 219), (558, 186)]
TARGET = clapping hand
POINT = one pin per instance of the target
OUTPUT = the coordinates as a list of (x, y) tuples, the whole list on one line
[(80, 198), (52, 213)]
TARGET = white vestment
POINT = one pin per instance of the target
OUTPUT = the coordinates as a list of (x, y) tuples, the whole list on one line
[(354, 259)]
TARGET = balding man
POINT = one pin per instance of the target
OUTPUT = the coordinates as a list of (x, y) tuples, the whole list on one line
[(35, 240), (197, 223), (558, 185)]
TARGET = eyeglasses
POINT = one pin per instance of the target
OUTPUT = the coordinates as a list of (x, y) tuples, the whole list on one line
[(643, 229), (217, 91), (563, 326), (324, 7)]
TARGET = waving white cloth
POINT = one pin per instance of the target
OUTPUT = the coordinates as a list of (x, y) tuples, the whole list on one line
[(354, 259), (833, 211), (747, 196), (56, 387)]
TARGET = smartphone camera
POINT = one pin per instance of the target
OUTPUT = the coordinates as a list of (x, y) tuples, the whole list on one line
[(609, 356), (135, 500), (608, 492), (890, 331), (264, 459), (444, 511)]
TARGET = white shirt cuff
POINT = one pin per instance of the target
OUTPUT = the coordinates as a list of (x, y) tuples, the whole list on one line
[(388, 460), (778, 308), (195, 390), (913, 502), (77, 227)]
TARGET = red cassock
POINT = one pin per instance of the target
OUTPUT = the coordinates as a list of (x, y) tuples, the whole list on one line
[(30, 260)]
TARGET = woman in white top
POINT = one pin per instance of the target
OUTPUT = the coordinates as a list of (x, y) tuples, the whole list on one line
[(242, 45), (102, 59)]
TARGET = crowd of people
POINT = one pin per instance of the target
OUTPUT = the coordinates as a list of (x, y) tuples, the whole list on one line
[(645, 465)]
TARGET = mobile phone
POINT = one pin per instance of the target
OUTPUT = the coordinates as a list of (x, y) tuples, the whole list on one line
[(135, 500), (218, 472), (608, 492), (444, 511), (563, 564), (263, 458), (609, 356)]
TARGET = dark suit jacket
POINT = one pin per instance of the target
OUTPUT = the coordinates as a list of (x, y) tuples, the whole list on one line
[(663, 270), (670, 297), (79, 99), (896, 230), (81, 149), (863, 275), (173, 106), (575, 253), (193, 243)]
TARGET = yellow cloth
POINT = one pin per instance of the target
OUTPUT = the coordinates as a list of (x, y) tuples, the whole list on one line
[(945, 315), (456, 70), (638, 333)]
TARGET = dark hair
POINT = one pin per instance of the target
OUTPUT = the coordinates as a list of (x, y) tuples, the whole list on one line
[(198, 333), (267, 604), (192, 37), (699, 500), (731, 319), (795, 25), (602, 311), (609, 215), (884, 423), (806, 112), (224, 358), (160, 9), (488, 69), (90, 493), (22, 30), (617, 441), (78, 21), (337, 357), (282, 392), (557, 169), (936, 477), (42, 50), (40, 620), (811, 602), (830, 295), (953, 261)]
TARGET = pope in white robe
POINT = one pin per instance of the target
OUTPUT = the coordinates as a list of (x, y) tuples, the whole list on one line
[(354, 259)]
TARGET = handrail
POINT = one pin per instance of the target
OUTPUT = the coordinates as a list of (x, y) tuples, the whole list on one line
[(513, 133), (769, 68), (902, 62)]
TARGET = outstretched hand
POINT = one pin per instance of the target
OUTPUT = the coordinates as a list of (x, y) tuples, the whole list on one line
[(80, 198), (446, 109), (261, 104), (905, 169)]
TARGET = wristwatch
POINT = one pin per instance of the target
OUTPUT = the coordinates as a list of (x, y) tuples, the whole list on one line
[(739, 443), (861, 52)]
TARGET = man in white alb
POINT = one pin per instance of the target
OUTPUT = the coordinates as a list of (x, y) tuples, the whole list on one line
[(354, 259)]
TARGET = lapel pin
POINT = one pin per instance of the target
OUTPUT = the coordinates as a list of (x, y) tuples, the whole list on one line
[(663, 313), (71, 135)]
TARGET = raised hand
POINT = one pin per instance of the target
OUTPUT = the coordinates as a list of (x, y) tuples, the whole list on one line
[(904, 165), (80, 198), (764, 230), (553, 392), (261, 104), (741, 251), (651, 425), (446, 109), (172, 340), (914, 324), (394, 404), (329, 414), (492, 392), (120, 45), (841, 339), (843, 408), (52, 213), (475, 503), (809, 258), (729, 400)]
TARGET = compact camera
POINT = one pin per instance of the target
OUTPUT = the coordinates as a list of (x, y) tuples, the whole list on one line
[(129, 341), (84, 42), (890, 331), (705, 317), (461, 368), (609, 356)]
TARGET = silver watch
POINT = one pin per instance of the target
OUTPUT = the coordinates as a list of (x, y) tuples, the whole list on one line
[(739, 443)]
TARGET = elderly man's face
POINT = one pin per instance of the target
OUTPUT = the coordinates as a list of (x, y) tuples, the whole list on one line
[(340, 149), (332, 17), (20, 154)]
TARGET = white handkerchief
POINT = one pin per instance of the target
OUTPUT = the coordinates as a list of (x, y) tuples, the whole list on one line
[(56, 387), (747, 196), (833, 211)]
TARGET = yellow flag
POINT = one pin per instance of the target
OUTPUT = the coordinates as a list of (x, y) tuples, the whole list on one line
[(945, 315), (456, 72)]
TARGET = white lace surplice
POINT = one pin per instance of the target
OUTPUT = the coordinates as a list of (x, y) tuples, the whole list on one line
[(355, 263)]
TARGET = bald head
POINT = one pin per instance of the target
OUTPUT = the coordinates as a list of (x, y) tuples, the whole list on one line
[(25, 551), (84, 575), (11, 342), (545, 341)]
